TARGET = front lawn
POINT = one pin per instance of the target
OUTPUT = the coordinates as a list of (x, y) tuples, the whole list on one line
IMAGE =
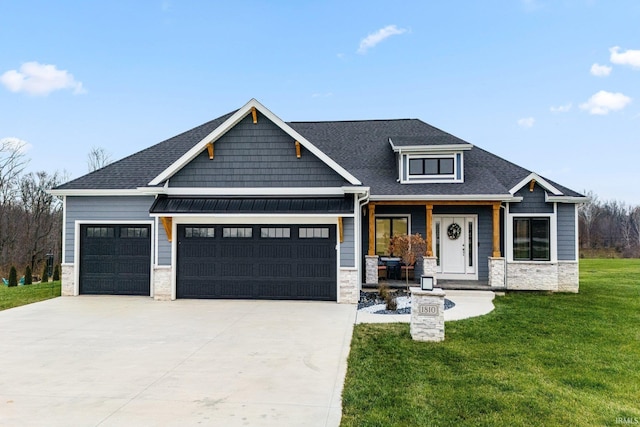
[(21, 295), (537, 359)]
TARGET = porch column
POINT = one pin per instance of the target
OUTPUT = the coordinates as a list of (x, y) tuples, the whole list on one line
[(429, 229), (371, 259), (372, 230), (496, 230)]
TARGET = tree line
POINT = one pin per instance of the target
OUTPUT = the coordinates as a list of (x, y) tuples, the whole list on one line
[(30, 217), (609, 228)]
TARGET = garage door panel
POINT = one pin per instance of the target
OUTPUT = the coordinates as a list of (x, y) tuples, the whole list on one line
[(273, 263), (115, 259)]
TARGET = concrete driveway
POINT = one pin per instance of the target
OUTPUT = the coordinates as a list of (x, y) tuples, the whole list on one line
[(115, 361)]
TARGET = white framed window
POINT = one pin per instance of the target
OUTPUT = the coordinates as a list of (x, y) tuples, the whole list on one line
[(441, 167), (387, 227)]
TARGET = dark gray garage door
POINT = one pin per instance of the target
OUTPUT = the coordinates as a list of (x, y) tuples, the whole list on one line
[(257, 261), (115, 259)]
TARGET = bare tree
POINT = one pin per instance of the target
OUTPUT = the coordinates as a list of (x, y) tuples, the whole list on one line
[(98, 158), (42, 213), (12, 163), (588, 214)]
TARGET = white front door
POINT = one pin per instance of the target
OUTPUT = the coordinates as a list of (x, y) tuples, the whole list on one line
[(455, 246)]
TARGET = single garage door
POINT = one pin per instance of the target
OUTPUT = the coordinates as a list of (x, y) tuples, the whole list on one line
[(257, 261), (115, 259)]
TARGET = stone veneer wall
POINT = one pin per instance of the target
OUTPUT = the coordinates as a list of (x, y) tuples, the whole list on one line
[(371, 269), (568, 276), (429, 266), (162, 283), (497, 272), (532, 276), (68, 280), (349, 292)]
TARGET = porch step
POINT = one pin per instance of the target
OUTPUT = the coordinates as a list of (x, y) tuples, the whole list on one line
[(466, 285)]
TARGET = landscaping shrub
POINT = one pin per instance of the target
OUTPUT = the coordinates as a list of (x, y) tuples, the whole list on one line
[(56, 273), (386, 294), (45, 274), (28, 277), (13, 277)]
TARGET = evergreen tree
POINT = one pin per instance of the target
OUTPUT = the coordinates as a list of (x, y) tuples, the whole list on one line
[(56, 273), (28, 277), (13, 277), (45, 273)]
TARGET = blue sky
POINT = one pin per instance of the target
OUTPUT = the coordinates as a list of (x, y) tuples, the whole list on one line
[(551, 85)]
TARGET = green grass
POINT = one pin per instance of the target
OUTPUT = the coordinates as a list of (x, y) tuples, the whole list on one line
[(538, 359), (21, 295)]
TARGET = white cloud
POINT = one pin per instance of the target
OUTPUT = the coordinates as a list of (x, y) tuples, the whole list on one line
[(604, 102), (600, 70), (629, 57), (526, 122), (13, 143), (373, 39), (40, 79), (561, 108)]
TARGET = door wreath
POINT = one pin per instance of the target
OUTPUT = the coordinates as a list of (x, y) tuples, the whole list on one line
[(453, 231)]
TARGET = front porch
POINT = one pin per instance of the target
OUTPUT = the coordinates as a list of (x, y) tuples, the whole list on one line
[(470, 258)]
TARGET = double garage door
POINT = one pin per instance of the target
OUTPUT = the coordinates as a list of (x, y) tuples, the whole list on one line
[(257, 261), (215, 261)]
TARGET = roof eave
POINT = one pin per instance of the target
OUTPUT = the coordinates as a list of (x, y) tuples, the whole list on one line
[(429, 148), (447, 197)]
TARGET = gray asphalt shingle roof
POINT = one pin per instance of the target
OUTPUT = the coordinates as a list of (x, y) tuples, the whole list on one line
[(361, 147)]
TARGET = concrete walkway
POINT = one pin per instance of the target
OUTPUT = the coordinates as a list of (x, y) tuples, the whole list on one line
[(468, 304), (124, 361)]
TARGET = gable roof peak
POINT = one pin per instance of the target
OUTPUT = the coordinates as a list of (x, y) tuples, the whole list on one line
[(250, 108)]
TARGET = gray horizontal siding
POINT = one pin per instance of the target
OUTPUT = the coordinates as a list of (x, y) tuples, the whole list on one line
[(348, 246), (164, 246), (256, 155), (118, 208), (532, 202), (566, 232)]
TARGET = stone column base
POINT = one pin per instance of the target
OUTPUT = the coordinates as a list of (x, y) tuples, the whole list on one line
[(68, 276), (429, 266), (349, 292), (371, 269), (427, 315), (497, 269), (162, 283)]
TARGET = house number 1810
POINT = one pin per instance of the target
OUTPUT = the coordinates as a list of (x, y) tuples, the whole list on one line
[(428, 310)]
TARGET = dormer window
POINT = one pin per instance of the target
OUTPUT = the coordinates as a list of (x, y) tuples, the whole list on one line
[(440, 167), (431, 166)]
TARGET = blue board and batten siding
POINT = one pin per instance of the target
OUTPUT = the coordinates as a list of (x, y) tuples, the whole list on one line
[(533, 202), (566, 232), (112, 208), (256, 155)]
